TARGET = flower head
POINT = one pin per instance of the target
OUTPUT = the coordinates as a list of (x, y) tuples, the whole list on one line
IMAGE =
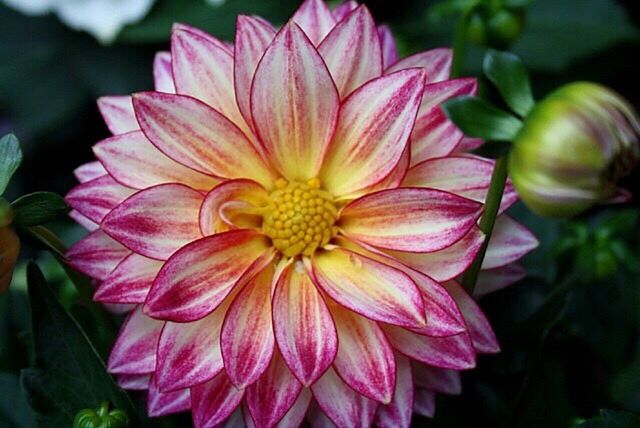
[(288, 214)]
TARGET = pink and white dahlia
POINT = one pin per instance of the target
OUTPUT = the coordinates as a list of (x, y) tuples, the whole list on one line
[(288, 217)]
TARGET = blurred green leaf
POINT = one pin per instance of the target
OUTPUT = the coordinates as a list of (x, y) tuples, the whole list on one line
[(68, 374), (38, 208), (10, 159), (508, 74), (612, 419), (14, 409), (479, 119)]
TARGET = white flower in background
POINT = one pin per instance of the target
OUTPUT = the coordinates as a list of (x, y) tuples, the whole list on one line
[(102, 18)]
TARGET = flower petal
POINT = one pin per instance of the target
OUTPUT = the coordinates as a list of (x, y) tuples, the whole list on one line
[(465, 176), (135, 349), (368, 287), (195, 280), (295, 416), (83, 220), (447, 263), (482, 336), (189, 353), (496, 279), (343, 9), (434, 135), (436, 62), (275, 392), (294, 104), (247, 333), (95, 198), (398, 412), (365, 359), (134, 382), (344, 406), (165, 403), (117, 112), (132, 160), (352, 51), (315, 19), (89, 171), (443, 381), (509, 242), (304, 329), (253, 36), (373, 128), (424, 402), (155, 222), (163, 73), (203, 69), (452, 352), (388, 43), (409, 219), (199, 137), (129, 282), (96, 255), (214, 401)]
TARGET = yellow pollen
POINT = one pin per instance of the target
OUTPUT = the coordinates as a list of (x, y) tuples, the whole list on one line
[(300, 217)]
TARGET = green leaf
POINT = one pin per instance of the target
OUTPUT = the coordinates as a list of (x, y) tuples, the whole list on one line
[(10, 159), (14, 409), (38, 208), (612, 419), (508, 74), (479, 119), (68, 375)]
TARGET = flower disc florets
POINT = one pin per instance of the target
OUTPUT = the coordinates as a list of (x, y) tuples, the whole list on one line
[(300, 217)]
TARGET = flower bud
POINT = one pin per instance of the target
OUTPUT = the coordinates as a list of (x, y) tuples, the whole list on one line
[(101, 418), (9, 245), (573, 148), (495, 27)]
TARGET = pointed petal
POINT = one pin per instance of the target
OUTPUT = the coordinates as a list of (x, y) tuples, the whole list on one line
[(95, 198), (447, 263), (465, 176), (199, 137), (482, 336), (155, 222), (509, 242), (134, 382), (83, 220), (195, 280), (165, 403), (163, 73), (253, 36), (424, 402), (373, 128), (434, 134), (129, 282), (189, 353), (436, 62), (499, 278), (453, 352), (247, 334), (393, 179), (315, 19), (365, 359), (135, 162), (204, 35), (117, 112), (89, 171), (410, 219), (343, 9), (271, 397), (352, 51), (294, 104), (443, 381), (317, 418), (214, 219), (389, 49), (345, 407), (295, 416), (304, 329), (203, 69), (214, 401), (96, 254), (135, 349), (398, 412), (368, 287)]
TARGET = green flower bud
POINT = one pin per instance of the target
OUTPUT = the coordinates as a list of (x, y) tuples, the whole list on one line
[(573, 148), (504, 27), (101, 418), (476, 29)]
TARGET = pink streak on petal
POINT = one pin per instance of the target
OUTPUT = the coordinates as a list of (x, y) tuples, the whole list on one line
[(436, 62), (343, 9), (443, 381), (166, 403), (398, 412), (129, 282), (117, 112), (96, 254), (83, 220), (214, 401), (89, 171), (499, 278), (163, 74), (97, 197), (315, 19), (389, 49), (509, 242), (134, 382)]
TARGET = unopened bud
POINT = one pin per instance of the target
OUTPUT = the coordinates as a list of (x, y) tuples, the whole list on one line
[(573, 148), (101, 418)]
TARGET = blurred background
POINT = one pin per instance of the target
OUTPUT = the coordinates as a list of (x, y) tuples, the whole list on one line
[(566, 353)]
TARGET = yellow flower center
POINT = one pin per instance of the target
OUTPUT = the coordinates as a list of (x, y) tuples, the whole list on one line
[(300, 217)]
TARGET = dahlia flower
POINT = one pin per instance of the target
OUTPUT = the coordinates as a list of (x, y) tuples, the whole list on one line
[(288, 215)]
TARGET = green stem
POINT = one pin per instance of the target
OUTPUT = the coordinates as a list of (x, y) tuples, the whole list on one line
[(488, 220), (460, 43)]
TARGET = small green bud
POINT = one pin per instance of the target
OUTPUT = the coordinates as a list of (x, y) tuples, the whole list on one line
[(101, 418), (476, 29), (573, 148), (504, 27)]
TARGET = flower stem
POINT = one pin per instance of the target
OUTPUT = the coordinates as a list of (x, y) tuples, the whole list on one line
[(487, 221), (459, 43)]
